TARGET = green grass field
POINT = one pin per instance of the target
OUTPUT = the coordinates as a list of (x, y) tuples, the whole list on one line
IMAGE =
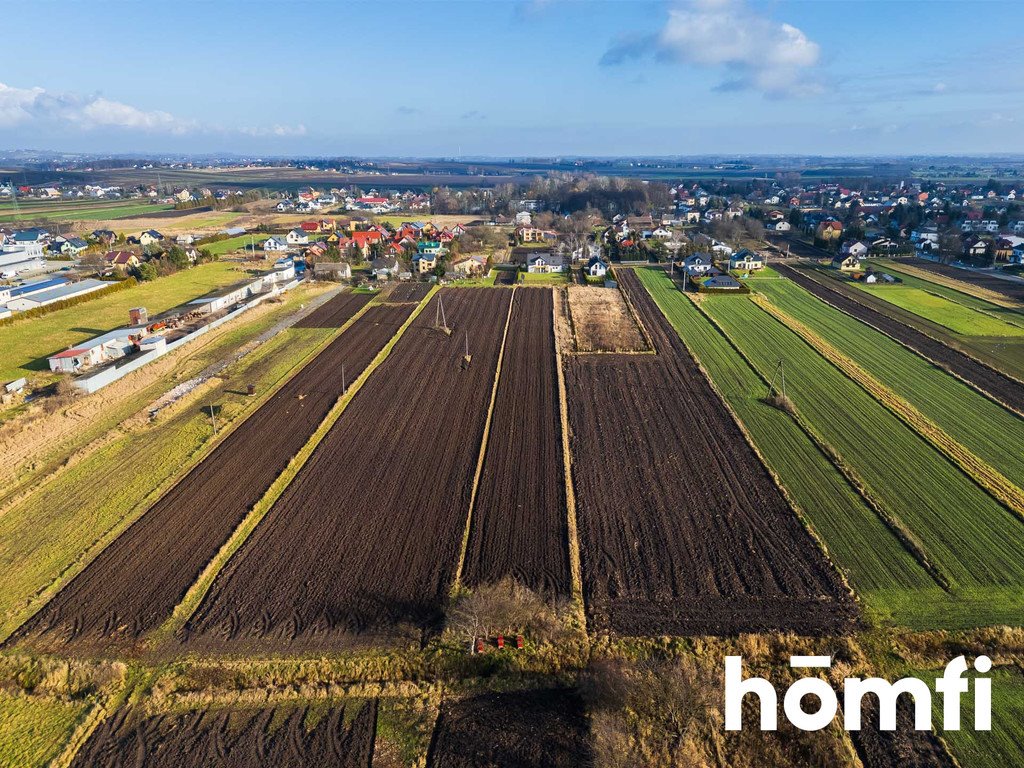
[(555, 278), (43, 534), (221, 247), (956, 315), (969, 417), (82, 212), (25, 344), (33, 729), (857, 540), (976, 543), (1001, 747)]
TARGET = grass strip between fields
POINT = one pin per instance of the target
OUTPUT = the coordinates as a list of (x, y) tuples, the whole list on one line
[(994, 482), (190, 603), (457, 583), (76, 567), (896, 526), (575, 564)]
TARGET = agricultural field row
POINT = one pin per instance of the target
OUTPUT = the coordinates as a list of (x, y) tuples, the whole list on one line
[(77, 213), (666, 543), (873, 559), (974, 420), (955, 312), (988, 365), (960, 292), (47, 534), (967, 537), (133, 585)]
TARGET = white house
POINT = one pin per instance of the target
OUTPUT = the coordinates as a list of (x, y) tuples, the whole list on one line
[(596, 267), (275, 244), (545, 263), (746, 260), (698, 263), (297, 237)]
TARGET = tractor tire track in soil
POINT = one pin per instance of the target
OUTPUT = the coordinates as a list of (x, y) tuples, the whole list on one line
[(521, 729), (334, 313), (134, 584), (999, 387), (363, 544), (682, 529), (232, 739), (519, 526)]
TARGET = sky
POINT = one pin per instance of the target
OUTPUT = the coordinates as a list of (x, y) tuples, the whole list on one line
[(436, 78)]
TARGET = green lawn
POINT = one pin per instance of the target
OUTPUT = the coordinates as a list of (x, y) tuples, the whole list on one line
[(975, 421), (877, 565), (956, 315), (976, 543), (554, 278), (25, 344), (221, 247), (34, 729), (46, 532), (1001, 747)]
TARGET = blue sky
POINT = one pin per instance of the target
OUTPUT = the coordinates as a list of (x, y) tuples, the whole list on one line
[(531, 77)]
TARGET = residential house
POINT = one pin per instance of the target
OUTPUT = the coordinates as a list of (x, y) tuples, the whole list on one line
[(846, 263), (121, 260), (829, 230), (474, 264), (73, 246), (150, 237), (854, 248), (332, 270), (698, 263), (385, 267), (297, 237), (597, 267), (746, 259), (545, 262), (424, 263), (275, 243), (722, 283)]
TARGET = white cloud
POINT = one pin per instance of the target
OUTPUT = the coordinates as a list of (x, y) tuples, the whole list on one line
[(22, 106), (756, 52)]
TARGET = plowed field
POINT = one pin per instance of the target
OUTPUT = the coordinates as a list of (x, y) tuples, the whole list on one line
[(134, 584), (682, 529), (519, 525), (264, 738), (365, 540), (334, 313)]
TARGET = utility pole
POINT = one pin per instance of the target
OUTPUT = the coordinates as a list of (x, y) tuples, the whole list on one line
[(344, 389), (213, 419)]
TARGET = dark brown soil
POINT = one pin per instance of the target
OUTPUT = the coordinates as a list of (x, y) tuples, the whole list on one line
[(336, 312), (364, 542), (134, 584), (236, 739), (506, 277), (519, 729), (519, 525), (902, 748), (682, 529), (1002, 388), (414, 292)]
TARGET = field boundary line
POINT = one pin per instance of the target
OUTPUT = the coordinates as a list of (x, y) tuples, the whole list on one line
[(457, 582), (1016, 322), (917, 352), (977, 291), (575, 563), (991, 480), (80, 735), (896, 526), (193, 598), (90, 553)]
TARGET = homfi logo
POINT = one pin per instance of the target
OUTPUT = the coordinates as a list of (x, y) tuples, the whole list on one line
[(952, 685)]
